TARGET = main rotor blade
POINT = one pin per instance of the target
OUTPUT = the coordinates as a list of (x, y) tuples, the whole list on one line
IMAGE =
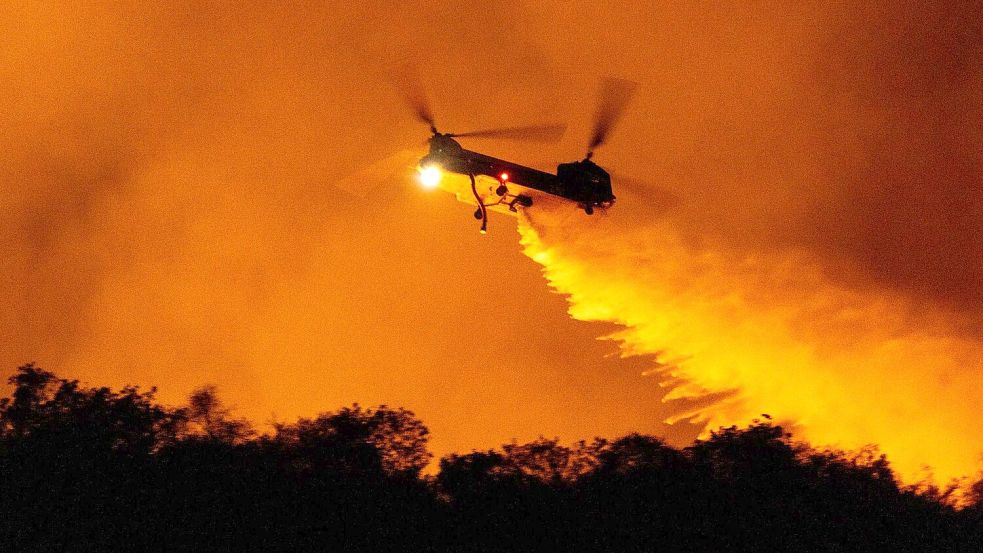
[(407, 79), (398, 167), (534, 133), (613, 99), (658, 199)]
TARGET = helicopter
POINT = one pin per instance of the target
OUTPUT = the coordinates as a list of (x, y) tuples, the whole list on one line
[(582, 182)]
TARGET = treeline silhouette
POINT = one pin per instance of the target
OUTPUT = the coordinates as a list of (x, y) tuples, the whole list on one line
[(93, 469)]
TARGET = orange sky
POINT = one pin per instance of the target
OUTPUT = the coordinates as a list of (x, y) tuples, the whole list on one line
[(170, 215)]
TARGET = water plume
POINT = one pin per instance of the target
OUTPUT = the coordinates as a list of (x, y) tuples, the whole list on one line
[(769, 332)]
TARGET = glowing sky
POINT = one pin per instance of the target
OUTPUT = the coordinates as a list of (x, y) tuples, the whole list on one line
[(170, 214)]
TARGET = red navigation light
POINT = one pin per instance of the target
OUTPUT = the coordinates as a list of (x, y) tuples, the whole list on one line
[(503, 177)]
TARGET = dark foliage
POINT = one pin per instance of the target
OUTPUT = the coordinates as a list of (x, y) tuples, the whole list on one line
[(92, 469)]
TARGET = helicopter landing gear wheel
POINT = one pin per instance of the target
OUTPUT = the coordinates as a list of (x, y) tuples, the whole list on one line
[(477, 214), (589, 210)]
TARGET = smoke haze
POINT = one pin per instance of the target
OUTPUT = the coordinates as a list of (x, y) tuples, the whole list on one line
[(169, 214)]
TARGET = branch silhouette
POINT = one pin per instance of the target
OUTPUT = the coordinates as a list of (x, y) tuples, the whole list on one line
[(94, 469)]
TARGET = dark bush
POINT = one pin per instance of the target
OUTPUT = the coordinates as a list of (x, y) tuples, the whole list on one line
[(92, 469)]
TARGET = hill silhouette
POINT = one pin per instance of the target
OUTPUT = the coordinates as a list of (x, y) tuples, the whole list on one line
[(95, 469)]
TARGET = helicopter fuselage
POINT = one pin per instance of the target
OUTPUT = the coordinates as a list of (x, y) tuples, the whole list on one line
[(582, 182)]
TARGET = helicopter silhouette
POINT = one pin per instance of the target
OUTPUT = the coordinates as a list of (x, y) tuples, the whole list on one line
[(582, 182)]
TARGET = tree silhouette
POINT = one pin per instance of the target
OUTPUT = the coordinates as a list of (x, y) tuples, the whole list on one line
[(72, 459), (207, 418), (359, 441), (93, 469)]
